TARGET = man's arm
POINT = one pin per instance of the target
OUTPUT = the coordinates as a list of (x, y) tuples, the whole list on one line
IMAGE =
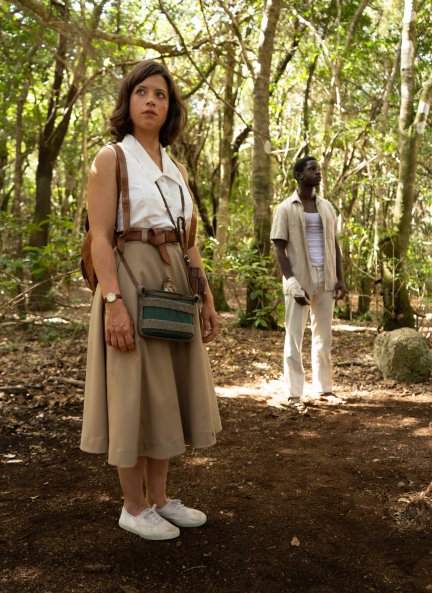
[(286, 269), (340, 289), (282, 258)]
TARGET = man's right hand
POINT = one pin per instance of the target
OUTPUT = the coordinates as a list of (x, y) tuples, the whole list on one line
[(296, 291), (303, 300)]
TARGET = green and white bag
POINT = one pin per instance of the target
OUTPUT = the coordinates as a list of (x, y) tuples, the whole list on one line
[(166, 315)]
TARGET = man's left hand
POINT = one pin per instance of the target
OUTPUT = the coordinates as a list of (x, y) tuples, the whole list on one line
[(340, 290)]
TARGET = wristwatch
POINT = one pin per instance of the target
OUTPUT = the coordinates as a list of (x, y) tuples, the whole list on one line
[(111, 297)]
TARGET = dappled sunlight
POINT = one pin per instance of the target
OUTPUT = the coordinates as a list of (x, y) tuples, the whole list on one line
[(343, 327), (199, 460), (271, 391), (344, 467), (27, 573), (424, 432)]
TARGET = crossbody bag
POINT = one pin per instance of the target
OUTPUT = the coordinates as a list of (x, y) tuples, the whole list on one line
[(166, 314)]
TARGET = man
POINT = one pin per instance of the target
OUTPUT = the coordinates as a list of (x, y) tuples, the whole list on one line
[(309, 256)]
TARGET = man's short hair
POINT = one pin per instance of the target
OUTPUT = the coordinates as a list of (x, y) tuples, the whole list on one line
[(301, 164)]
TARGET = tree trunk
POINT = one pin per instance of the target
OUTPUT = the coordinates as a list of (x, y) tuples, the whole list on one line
[(50, 143), (334, 93), (398, 311), (4, 194), (84, 168), (40, 298), (16, 239), (261, 167), (225, 187)]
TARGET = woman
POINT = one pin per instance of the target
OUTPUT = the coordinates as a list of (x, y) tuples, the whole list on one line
[(145, 399)]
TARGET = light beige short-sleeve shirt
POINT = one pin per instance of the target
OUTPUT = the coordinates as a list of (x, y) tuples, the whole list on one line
[(289, 225)]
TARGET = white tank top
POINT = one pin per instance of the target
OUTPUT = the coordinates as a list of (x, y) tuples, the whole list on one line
[(315, 238), (147, 209)]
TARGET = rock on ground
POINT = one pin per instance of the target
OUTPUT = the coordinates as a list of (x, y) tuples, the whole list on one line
[(403, 355)]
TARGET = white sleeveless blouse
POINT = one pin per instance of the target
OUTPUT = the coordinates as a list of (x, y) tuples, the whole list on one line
[(147, 209)]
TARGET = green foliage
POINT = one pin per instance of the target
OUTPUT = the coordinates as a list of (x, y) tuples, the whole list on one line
[(363, 149), (52, 331), (253, 269), (60, 257)]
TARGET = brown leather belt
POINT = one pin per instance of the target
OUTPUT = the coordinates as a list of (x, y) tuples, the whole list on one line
[(156, 237)]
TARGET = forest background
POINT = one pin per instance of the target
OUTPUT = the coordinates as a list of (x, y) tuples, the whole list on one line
[(265, 82), (322, 502)]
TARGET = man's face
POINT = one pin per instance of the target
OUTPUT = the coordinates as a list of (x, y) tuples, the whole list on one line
[(311, 174)]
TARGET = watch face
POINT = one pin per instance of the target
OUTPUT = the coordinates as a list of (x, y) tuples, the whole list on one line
[(111, 297)]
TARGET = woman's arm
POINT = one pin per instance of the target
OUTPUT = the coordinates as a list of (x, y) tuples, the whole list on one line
[(208, 312), (102, 213)]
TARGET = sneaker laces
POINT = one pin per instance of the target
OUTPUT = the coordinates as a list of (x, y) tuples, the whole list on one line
[(175, 502), (151, 515)]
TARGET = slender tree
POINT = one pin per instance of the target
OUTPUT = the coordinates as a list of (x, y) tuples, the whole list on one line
[(225, 184), (398, 311), (261, 165)]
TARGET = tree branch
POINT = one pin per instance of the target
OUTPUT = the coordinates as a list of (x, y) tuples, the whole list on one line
[(72, 28)]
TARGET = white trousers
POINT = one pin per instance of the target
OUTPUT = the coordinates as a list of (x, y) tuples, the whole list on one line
[(321, 314)]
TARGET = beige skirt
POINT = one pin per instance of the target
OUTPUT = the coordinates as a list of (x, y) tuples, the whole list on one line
[(157, 399)]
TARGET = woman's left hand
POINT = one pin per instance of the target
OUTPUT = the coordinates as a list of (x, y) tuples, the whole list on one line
[(210, 324)]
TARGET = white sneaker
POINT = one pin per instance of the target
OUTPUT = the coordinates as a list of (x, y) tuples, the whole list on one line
[(148, 524), (177, 513)]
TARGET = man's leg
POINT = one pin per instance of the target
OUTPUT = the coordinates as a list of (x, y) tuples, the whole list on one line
[(295, 323), (322, 306)]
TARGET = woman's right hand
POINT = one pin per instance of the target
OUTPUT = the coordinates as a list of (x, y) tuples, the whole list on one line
[(119, 329)]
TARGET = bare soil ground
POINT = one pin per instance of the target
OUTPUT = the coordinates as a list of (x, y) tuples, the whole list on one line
[(327, 502)]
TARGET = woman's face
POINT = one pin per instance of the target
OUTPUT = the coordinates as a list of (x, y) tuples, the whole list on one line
[(148, 105)]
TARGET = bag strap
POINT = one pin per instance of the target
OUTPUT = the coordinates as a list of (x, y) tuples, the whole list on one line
[(180, 226), (128, 270), (193, 223), (123, 190), (180, 231)]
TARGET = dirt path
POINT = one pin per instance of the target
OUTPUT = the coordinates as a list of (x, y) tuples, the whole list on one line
[(321, 503)]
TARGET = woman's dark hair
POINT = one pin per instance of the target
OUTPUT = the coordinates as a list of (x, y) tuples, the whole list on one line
[(301, 164), (177, 117)]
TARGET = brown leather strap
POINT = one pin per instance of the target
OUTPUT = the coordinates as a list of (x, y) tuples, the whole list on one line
[(123, 188), (179, 226), (128, 270), (154, 236), (180, 231), (193, 222)]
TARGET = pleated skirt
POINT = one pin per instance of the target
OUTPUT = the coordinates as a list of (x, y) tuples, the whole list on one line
[(160, 397)]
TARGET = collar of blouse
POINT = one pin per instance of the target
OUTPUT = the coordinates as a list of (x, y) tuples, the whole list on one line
[(152, 171)]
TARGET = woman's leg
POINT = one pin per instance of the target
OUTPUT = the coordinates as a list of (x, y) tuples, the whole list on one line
[(155, 478), (137, 516), (155, 475), (131, 481)]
